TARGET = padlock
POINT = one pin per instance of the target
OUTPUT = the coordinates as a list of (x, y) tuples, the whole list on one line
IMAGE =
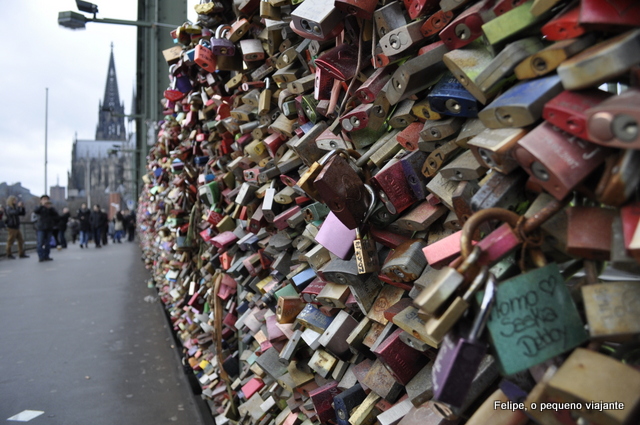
[(251, 50), (420, 7), (412, 164), (592, 245), (342, 190), (410, 135), (549, 58), (433, 298), (540, 299), (439, 157), (466, 64), (221, 46), (439, 130), (389, 17), (438, 327), (468, 25), (492, 148), (204, 57), (393, 188), (450, 97), (369, 89), (364, 246), (398, 40), (500, 70), (584, 386), (619, 179), (601, 15), (364, 287), (417, 73), (601, 62), (567, 111), (614, 122), (465, 167), (500, 191), (317, 20), (458, 362), (356, 8), (357, 118), (406, 262), (401, 360), (612, 310), (336, 237), (421, 217), (402, 117), (565, 25), (347, 401), (238, 29), (522, 104), (436, 22), (510, 24), (571, 162)]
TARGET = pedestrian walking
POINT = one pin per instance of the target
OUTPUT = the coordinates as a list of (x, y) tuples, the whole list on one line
[(47, 220), (74, 227), (13, 212), (131, 225), (118, 226), (104, 227), (84, 222), (96, 225), (62, 228)]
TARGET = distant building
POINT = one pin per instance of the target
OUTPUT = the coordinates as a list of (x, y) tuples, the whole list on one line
[(15, 189), (57, 193), (104, 165)]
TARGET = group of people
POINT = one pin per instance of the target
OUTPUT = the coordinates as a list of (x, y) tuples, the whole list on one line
[(51, 227), (94, 224)]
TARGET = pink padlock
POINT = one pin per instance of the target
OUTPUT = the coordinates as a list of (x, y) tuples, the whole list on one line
[(336, 237)]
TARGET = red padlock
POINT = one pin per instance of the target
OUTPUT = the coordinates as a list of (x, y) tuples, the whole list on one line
[(204, 57)]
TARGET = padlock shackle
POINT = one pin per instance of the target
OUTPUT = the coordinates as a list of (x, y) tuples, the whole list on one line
[(220, 34), (480, 217), (539, 218), (478, 282), (372, 203), (485, 308)]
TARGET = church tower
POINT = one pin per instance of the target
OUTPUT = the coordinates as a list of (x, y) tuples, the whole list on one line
[(111, 114)]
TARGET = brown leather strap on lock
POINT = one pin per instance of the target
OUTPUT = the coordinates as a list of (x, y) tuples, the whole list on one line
[(217, 321)]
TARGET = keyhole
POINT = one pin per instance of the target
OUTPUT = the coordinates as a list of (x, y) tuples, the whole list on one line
[(539, 64)]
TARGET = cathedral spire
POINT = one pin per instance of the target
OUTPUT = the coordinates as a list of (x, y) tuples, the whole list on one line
[(110, 117)]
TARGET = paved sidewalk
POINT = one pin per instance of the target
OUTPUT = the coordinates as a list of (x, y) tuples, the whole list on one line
[(81, 344)]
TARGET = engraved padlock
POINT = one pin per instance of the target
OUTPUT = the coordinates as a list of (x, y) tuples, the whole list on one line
[(204, 57)]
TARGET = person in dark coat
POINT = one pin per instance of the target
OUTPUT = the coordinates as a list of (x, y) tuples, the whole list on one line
[(104, 228), (96, 221), (62, 228), (84, 218), (74, 227), (14, 211), (47, 221), (130, 220)]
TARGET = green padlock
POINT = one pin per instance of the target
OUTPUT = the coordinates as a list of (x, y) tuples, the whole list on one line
[(533, 319)]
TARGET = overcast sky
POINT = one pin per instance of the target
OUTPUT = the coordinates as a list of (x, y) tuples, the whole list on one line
[(36, 54)]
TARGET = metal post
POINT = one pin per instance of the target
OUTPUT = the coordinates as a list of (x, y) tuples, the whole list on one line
[(46, 124)]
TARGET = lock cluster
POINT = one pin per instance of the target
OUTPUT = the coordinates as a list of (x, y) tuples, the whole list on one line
[(402, 212)]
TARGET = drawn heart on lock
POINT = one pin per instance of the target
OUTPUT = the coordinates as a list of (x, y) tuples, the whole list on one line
[(548, 285)]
